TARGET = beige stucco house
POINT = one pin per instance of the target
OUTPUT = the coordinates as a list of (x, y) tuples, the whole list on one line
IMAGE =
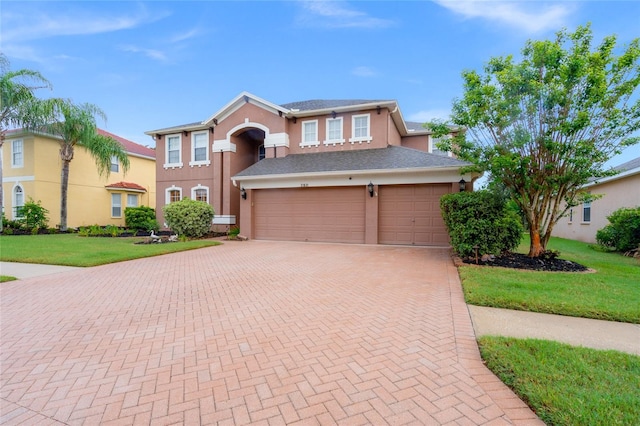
[(621, 190), (321, 170), (31, 170)]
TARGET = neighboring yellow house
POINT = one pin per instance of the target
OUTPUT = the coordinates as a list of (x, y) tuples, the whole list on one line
[(31, 170)]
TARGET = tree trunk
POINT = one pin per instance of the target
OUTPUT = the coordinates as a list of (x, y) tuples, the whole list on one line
[(535, 248), (64, 189)]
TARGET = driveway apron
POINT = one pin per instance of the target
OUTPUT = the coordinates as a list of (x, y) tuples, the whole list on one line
[(254, 332)]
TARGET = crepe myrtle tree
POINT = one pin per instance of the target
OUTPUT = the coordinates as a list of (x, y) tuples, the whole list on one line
[(547, 124), (76, 126), (19, 106)]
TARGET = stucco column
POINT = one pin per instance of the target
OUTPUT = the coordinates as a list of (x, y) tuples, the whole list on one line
[(371, 216), (246, 215)]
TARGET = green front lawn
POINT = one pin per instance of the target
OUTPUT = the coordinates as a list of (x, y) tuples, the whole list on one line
[(568, 385), (74, 250), (611, 293)]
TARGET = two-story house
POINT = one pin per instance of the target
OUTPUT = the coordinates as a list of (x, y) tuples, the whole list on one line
[(322, 170), (31, 170)]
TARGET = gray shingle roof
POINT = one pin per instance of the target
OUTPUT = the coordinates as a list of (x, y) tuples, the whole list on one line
[(328, 103), (412, 125), (633, 164), (392, 157)]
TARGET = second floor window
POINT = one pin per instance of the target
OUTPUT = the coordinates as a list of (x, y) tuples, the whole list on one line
[(361, 131), (334, 130), (173, 151), (199, 149), (17, 158), (309, 133), (115, 166)]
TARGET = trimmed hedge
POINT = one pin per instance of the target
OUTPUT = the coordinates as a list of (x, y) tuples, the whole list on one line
[(188, 217), (623, 231), (141, 219), (481, 218)]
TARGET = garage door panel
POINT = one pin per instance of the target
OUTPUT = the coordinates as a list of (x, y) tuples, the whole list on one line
[(410, 214), (310, 214)]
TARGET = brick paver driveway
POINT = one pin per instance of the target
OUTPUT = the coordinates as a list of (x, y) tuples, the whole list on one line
[(249, 332)]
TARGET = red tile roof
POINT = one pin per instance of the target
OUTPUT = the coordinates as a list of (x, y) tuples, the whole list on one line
[(127, 185), (129, 146)]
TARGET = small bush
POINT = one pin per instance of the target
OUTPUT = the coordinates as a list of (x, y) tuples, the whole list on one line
[(188, 217), (481, 218), (623, 231), (141, 219), (34, 216)]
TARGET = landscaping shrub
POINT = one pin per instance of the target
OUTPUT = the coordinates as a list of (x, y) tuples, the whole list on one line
[(34, 216), (141, 219), (188, 217), (623, 231), (481, 218)]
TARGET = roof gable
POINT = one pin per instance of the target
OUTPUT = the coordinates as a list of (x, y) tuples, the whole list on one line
[(237, 103)]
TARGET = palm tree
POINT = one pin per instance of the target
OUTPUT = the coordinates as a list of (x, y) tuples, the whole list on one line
[(76, 125), (19, 106)]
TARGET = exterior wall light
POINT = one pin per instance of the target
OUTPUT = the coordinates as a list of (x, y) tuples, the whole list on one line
[(243, 193), (463, 185), (370, 187)]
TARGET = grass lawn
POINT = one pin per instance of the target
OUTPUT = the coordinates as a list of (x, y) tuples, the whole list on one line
[(568, 385), (74, 250), (5, 278), (611, 293)]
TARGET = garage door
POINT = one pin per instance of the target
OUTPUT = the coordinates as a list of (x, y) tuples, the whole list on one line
[(310, 214), (410, 214)]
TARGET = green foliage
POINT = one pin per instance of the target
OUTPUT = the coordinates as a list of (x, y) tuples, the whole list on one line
[(567, 385), (623, 231), (34, 216), (189, 217), (480, 218), (545, 125), (233, 233), (99, 231), (141, 219)]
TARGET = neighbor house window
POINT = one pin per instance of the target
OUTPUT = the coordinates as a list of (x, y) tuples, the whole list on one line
[(17, 157), (173, 151), (132, 200), (570, 215), (310, 133), (18, 202), (200, 193), (586, 211), (360, 128), (173, 194), (261, 152), (116, 205), (199, 149), (115, 165), (433, 145), (334, 131)]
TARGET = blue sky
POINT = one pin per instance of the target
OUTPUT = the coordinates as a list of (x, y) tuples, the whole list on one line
[(157, 64)]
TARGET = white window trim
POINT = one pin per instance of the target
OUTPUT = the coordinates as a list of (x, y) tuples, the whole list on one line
[(16, 165), (303, 142), (119, 194), (195, 188), (13, 200), (137, 200), (201, 163), (585, 205), (353, 139), (167, 195), (433, 147), (340, 140), (179, 164)]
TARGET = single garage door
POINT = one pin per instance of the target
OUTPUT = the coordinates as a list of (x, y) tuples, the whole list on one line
[(310, 214), (410, 214)]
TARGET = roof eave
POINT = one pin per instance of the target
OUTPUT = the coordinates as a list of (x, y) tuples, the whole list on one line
[(357, 107)]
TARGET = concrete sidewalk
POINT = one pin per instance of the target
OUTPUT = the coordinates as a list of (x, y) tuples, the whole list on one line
[(590, 333), (29, 270)]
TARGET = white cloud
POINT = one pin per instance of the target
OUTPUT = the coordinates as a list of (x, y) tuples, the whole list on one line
[(337, 14), (20, 27), (363, 72), (186, 35), (429, 114), (150, 53), (531, 16)]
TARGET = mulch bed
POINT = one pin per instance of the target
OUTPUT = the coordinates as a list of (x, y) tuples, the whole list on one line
[(522, 261)]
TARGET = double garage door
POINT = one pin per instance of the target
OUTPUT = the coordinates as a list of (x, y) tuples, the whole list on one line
[(407, 214)]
